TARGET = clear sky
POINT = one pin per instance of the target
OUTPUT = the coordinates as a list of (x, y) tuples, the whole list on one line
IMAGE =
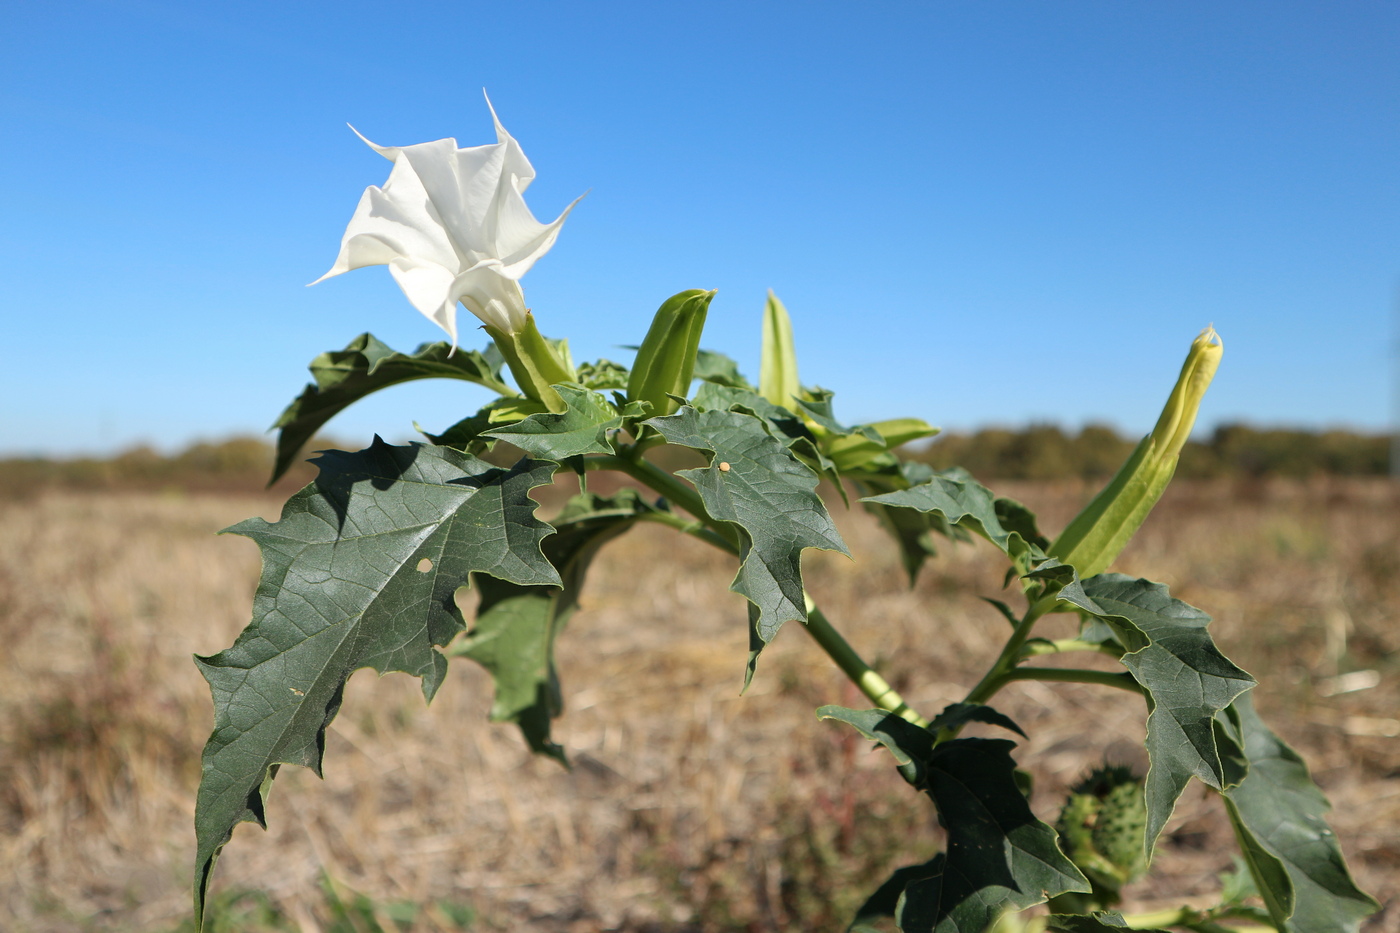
[(977, 212)]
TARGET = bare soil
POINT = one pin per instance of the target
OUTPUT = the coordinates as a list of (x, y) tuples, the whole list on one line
[(689, 807)]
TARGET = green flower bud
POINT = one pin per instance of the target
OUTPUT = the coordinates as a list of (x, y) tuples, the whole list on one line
[(777, 370), (1103, 827), (665, 362), (536, 362), (1099, 533), (852, 451)]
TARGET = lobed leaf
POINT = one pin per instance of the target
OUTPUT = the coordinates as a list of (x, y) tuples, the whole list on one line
[(756, 484), (956, 715), (582, 428), (1187, 680), (964, 502), (999, 856), (516, 625), (360, 571), (911, 529), (1277, 814), (365, 366), (719, 369)]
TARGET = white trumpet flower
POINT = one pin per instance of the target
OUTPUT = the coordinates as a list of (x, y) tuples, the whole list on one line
[(452, 225)]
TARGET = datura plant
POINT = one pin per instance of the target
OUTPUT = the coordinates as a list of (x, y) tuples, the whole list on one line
[(363, 566)]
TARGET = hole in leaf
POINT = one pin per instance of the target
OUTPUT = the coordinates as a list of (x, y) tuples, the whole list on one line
[(425, 565)]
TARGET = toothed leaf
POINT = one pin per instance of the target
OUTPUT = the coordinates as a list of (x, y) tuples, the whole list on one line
[(516, 625), (755, 483), (1188, 681), (365, 366), (1277, 814), (360, 571)]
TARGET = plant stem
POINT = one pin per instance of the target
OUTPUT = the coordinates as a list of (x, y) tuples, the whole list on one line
[(875, 687), (693, 527), (1185, 916), (993, 680), (1073, 675), (1035, 649), (724, 536)]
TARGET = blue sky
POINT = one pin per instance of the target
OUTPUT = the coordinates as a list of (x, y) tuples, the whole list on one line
[(977, 212)]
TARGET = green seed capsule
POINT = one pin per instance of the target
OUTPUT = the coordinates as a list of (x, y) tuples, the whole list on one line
[(1102, 828)]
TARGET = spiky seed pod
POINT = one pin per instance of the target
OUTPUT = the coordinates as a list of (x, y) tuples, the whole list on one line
[(1102, 827)]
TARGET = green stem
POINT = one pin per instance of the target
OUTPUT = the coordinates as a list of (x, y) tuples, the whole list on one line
[(1034, 649), (693, 527), (724, 536), (1185, 916), (992, 681), (875, 687)]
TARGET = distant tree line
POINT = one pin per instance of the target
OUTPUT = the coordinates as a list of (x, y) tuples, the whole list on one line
[(1038, 452), (239, 464), (1044, 451)]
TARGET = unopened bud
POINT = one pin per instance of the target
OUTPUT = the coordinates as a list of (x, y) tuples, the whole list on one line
[(1099, 533), (777, 370), (665, 363)]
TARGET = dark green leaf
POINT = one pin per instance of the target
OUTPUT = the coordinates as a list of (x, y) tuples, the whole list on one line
[(604, 374), (910, 745), (470, 434), (513, 638), (1016, 517), (819, 409), (960, 714), (783, 423), (1006, 613), (1187, 679), (963, 501), (769, 496), (1277, 813), (366, 365), (999, 856), (911, 529), (359, 572), (719, 369), (581, 429), (516, 625), (885, 901)]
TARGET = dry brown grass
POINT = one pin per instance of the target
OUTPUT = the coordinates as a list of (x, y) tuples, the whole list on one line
[(689, 808)]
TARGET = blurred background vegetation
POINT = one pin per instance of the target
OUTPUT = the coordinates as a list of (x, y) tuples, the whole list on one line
[(691, 808), (1036, 452), (1233, 451)]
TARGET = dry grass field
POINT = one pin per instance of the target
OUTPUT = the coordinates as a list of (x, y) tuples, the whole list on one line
[(689, 808)]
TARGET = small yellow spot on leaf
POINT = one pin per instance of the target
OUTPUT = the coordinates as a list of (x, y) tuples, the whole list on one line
[(296, 691), (723, 467), (425, 565)]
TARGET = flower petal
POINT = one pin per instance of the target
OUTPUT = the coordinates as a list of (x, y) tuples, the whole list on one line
[(428, 288), (397, 220), (491, 295), (452, 224)]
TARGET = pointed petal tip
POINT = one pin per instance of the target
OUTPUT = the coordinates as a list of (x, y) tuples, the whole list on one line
[(387, 152), (501, 133)]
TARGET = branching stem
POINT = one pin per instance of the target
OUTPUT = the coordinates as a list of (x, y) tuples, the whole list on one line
[(1035, 649), (1203, 920), (727, 538), (994, 679)]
